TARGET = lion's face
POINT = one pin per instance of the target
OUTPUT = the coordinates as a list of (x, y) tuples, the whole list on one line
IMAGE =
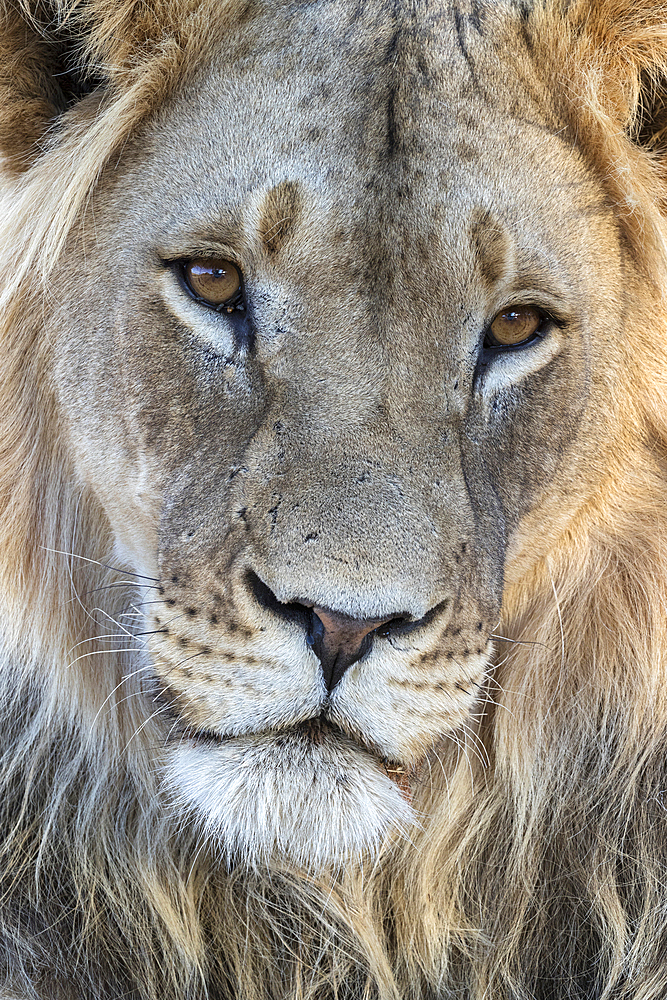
[(331, 483)]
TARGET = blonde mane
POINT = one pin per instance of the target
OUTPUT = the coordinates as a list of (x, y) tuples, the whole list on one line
[(554, 815)]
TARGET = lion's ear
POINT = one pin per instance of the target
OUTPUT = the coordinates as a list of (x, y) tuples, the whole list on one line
[(620, 47), (611, 57), (31, 91), (650, 126), (54, 52)]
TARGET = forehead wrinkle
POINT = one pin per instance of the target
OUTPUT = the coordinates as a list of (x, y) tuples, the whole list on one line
[(279, 215), (506, 261), (493, 248)]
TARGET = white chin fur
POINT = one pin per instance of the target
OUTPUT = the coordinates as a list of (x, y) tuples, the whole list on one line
[(282, 798)]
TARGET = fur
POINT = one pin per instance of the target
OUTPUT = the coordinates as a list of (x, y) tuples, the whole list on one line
[(551, 827)]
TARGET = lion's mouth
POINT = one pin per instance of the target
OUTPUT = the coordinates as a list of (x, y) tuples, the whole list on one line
[(316, 731)]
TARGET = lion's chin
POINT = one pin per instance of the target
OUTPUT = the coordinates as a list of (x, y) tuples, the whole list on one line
[(282, 798)]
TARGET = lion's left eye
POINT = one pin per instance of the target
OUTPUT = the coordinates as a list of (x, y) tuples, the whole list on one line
[(214, 282), (514, 327)]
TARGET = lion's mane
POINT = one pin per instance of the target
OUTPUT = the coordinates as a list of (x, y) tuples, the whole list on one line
[(552, 828)]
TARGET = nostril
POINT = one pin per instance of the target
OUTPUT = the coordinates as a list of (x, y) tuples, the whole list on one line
[(315, 632), (292, 612), (393, 625)]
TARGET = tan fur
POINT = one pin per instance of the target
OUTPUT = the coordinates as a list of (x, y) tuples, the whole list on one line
[(537, 868)]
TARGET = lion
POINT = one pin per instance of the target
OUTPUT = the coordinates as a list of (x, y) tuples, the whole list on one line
[(333, 500)]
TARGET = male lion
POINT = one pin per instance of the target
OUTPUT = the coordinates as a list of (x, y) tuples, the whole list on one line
[(333, 499)]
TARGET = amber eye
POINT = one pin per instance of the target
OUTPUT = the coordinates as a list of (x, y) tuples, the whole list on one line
[(514, 326), (215, 282)]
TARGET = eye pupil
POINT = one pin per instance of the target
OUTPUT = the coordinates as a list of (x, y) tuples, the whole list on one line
[(215, 282)]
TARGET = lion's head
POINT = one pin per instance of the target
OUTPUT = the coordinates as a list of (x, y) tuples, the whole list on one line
[(333, 528)]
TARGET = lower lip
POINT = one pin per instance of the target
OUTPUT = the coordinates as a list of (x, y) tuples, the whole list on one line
[(314, 732)]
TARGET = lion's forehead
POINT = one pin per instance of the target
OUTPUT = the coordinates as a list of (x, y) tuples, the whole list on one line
[(358, 150)]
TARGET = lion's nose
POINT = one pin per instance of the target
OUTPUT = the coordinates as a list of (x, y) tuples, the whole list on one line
[(340, 641)]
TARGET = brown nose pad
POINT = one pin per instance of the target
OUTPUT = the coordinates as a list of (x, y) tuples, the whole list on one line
[(340, 641)]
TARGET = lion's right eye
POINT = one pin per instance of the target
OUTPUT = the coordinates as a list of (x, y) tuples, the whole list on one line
[(214, 282), (515, 327)]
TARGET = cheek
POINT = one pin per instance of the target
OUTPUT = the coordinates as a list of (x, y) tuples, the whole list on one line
[(531, 438), (186, 399), (143, 402)]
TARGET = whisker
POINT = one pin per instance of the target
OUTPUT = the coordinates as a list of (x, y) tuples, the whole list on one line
[(476, 745), (105, 652), (118, 585), (122, 681), (100, 638), (519, 642), (96, 562), (462, 752), (153, 715), (114, 621)]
